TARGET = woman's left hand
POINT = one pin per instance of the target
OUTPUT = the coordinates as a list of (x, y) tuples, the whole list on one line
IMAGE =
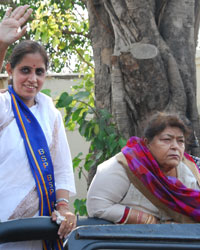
[(69, 222)]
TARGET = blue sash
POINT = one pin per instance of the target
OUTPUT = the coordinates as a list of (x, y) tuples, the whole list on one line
[(39, 157)]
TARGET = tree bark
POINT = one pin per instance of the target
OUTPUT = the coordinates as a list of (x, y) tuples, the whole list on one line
[(134, 83)]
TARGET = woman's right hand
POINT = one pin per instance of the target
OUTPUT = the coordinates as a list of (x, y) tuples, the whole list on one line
[(3, 90), (10, 26)]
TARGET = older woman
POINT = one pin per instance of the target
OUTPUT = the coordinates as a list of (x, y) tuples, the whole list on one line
[(151, 181)]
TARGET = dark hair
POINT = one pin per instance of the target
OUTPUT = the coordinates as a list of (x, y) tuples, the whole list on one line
[(161, 120), (27, 47)]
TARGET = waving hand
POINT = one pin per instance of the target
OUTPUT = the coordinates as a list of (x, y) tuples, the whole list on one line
[(10, 26)]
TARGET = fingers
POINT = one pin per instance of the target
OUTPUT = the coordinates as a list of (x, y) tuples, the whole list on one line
[(53, 216), (22, 32), (67, 222), (67, 225), (19, 12), (7, 14), (65, 228), (25, 17)]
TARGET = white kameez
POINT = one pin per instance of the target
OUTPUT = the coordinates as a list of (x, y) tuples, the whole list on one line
[(18, 194), (111, 191)]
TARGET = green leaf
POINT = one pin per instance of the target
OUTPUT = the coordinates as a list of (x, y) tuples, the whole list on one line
[(80, 207), (89, 164), (46, 92), (98, 156), (122, 142), (37, 34), (64, 100), (112, 147), (55, 42), (105, 114), (88, 130), (98, 144), (76, 114), (80, 172), (79, 154), (96, 129), (76, 161), (83, 127), (68, 115), (44, 37), (67, 119), (89, 84), (81, 95)]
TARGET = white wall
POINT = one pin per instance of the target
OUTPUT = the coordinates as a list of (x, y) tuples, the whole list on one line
[(59, 83)]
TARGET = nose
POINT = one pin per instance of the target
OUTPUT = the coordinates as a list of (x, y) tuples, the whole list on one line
[(174, 144), (33, 77)]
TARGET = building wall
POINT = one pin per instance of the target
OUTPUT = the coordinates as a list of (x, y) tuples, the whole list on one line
[(77, 144)]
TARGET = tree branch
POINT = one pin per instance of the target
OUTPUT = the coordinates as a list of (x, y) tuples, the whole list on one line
[(89, 64), (84, 2), (67, 32), (5, 2)]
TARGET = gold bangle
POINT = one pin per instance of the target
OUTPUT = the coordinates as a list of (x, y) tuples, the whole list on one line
[(152, 218), (146, 219), (149, 218)]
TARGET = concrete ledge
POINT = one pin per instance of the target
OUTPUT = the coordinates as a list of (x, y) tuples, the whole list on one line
[(53, 75)]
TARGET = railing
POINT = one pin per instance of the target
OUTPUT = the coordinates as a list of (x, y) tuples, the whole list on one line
[(165, 236), (38, 228), (100, 234)]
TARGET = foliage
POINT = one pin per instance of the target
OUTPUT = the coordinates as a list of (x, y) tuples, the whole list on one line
[(80, 207), (93, 124), (62, 27)]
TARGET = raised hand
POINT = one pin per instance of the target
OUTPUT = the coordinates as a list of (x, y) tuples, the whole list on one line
[(11, 25)]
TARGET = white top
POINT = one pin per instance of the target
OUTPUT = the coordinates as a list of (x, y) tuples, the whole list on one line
[(111, 191), (18, 195)]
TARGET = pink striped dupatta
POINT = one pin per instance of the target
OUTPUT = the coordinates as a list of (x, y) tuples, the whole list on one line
[(166, 193)]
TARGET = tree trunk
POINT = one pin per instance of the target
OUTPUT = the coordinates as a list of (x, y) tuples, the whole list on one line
[(144, 53)]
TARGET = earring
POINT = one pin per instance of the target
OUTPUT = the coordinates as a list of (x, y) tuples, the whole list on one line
[(10, 81)]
